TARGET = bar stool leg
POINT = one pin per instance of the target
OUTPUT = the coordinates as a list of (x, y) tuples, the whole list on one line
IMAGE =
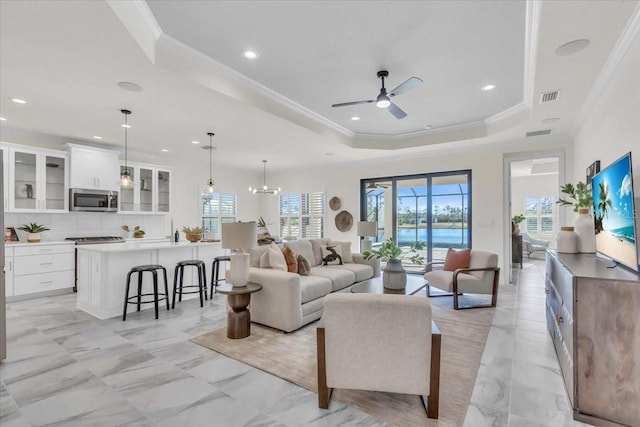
[(166, 287), (175, 287), (204, 280), (139, 288), (181, 282), (155, 291), (200, 285), (126, 297)]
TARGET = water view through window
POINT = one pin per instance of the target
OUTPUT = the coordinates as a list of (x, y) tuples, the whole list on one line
[(429, 208)]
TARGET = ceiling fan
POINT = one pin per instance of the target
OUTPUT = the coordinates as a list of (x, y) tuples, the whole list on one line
[(383, 100), (376, 185)]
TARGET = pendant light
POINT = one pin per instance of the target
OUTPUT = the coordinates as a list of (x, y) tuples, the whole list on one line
[(210, 184), (125, 176), (265, 189)]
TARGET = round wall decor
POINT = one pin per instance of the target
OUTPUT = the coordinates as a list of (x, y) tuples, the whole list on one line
[(335, 203), (344, 221)]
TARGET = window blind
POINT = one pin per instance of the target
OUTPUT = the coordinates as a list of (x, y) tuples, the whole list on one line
[(217, 208), (302, 215)]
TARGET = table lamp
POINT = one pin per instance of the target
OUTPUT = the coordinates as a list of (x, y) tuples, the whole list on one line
[(239, 236), (366, 229)]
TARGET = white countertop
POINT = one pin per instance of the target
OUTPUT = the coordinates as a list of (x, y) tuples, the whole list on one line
[(141, 245), (41, 243)]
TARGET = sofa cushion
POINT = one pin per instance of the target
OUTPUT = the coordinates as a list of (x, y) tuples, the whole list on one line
[(362, 271), (339, 278), (444, 280), (314, 287), (346, 249), (290, 259), (302, 247), (304, 269), (255, 254), (273, 258), (316, 244), (326, 253)]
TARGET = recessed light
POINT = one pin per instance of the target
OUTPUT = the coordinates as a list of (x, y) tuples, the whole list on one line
[(97, 137), (249, 54), (427, 127), (2, 119), (130, 86), (164, 150), (572, 47), (488, 87), (19, 101), (195, 142), (126, 126), (329, 154), (551, 120), (355, 118)]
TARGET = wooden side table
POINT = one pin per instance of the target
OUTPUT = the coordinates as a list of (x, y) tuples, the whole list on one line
[(238, 318)]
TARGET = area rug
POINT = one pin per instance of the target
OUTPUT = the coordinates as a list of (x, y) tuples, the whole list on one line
[(293, 358)]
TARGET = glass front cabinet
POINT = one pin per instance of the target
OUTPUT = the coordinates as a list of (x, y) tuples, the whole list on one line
[(36, 180), (150, 192)]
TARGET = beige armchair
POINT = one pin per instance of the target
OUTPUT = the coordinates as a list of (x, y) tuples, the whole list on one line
[(379, 343), (531, 244), (480, 278)]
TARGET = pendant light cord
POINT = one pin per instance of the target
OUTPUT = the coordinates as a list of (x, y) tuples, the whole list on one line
[(264, 174), (211, 134)]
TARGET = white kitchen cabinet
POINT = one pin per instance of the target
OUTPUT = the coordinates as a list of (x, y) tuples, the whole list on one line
[(8, 271), (43, 267), (94, 168), (36, 179), (150, 192)]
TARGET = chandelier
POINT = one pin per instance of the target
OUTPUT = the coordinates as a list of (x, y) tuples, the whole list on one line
[(265, 189)]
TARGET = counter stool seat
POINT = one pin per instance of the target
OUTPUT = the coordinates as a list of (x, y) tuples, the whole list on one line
[(215, 271), (202, 280), (137, 299)]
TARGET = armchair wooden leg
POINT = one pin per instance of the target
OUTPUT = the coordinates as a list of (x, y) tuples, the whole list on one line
[(455, 294), (434, 382), (324, 394)]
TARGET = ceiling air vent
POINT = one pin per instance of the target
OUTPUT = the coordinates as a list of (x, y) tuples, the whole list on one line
[(539, 132), (552, 96)]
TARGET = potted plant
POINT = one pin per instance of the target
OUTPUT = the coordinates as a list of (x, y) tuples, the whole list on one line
[(578, 196), (193, 234), (34, 230), (394, 275), (516, 220)]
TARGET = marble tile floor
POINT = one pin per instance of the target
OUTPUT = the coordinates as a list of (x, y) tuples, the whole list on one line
[(66, 368)]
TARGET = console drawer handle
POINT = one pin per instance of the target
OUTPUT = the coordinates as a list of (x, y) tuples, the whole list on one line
[(46, 263), (45, 282), (559, 318)]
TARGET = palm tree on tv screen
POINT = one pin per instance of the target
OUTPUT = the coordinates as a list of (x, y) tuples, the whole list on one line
[(603, 206)]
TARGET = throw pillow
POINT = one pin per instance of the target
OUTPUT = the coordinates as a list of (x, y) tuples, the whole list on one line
[(303, 266), (276, 259), (290, 258), (457, 259), (329, 257), (346, 250)]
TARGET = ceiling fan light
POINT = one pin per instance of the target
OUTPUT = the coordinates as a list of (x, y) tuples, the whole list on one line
[(382, 101)]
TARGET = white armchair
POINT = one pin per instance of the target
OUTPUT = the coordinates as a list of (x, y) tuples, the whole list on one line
[(379, 343), (480, 278), (530, 244)]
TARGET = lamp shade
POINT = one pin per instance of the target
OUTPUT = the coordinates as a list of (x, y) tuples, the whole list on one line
[(367, 228), (239, 235)]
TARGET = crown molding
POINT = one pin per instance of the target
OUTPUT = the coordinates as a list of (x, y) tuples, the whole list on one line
[(630, 35)]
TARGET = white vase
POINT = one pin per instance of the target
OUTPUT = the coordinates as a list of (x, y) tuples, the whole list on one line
[(567, 241), (584, 227), (394, 275)]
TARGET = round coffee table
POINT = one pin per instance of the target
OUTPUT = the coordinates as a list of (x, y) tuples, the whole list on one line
[(415, 283), (238, 318)]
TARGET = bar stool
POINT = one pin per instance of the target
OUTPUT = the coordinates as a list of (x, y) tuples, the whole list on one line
[(202, 280), (215, 270), (140, 269)]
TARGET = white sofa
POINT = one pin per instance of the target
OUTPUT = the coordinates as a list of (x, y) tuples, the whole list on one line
[(289, 301)]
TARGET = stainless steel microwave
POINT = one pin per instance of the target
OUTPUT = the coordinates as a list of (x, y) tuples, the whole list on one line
[(93, 200)]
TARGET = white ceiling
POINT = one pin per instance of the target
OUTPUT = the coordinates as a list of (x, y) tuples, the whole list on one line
[(66, 58)]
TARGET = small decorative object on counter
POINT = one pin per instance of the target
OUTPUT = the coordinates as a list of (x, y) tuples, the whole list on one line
[(125, 228), (34, 230), (138, 233), (176, 237), (567, 241), (193, 234)]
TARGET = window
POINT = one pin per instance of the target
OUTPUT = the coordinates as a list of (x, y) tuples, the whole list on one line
[(302, 215), (538, 212), (217, 208)]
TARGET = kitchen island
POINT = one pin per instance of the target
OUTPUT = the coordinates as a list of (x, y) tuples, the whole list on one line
[(102, 270)]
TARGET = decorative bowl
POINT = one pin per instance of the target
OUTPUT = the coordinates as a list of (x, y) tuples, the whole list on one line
[(193, 238)]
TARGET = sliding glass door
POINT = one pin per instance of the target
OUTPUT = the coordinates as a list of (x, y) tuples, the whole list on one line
[(429, 208)]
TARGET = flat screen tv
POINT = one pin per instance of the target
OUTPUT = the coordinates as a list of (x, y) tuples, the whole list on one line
[(614, 212)]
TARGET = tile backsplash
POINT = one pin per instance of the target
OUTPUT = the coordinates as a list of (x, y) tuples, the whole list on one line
[(75, 224)]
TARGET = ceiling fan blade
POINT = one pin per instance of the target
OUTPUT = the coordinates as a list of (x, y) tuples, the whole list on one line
[(353, 103), (409, 84), (396, 111)]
